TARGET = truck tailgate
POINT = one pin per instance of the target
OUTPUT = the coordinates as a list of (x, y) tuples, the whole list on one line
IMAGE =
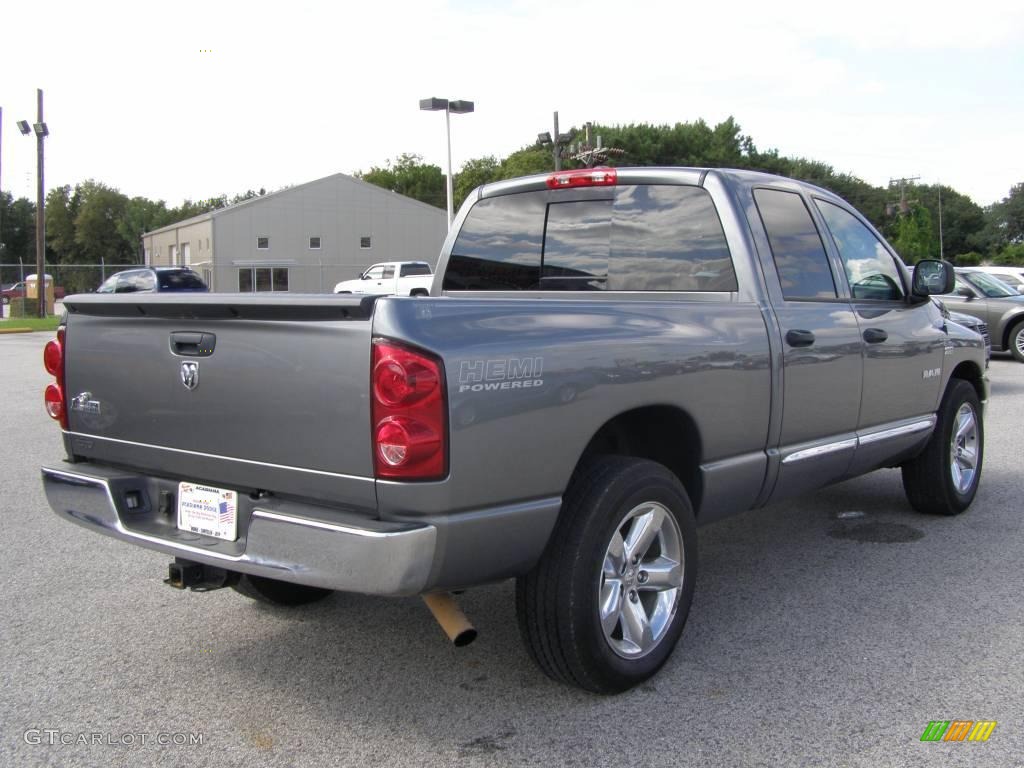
[(256, 392)]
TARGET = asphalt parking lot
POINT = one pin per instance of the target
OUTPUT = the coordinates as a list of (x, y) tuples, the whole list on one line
[(816, 639)]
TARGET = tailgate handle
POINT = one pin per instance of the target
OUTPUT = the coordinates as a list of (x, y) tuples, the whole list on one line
[(193, 344)]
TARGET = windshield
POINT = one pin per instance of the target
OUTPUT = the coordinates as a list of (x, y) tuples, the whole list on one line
[(992, 287)]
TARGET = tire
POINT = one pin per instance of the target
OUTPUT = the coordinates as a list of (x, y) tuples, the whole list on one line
[(560, 603), (419, 292), (1016, 342), (944, 478), (274, 592)]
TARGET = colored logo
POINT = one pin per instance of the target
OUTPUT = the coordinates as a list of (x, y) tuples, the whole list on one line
[(958, 730)]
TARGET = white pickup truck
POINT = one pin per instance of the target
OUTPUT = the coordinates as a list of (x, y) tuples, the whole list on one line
[(398, 278)]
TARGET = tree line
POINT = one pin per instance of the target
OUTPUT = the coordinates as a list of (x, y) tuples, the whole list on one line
[(92, 222), (909, 218)]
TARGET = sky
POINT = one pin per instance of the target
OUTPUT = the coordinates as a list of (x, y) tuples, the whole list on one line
[(198, 99)]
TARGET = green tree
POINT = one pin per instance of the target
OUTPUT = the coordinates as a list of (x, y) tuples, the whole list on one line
[(141, 215), (969, 259), (473, 174), (962, 219), (1005, 221), (62, 204), (913, 240), (97, 233), (1012, 255), (525, 162), (409, 176), (18, 235)]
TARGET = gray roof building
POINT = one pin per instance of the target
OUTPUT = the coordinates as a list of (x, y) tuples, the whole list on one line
[(302, 239)]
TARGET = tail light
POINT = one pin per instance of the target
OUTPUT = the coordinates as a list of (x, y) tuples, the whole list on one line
[(53, 361), (409, 417), (584, 177)]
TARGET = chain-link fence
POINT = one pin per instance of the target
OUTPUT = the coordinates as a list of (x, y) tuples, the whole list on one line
[(290, 275), (67, 278)]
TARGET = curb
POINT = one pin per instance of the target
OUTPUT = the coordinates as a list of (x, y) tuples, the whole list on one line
[(14, 330)]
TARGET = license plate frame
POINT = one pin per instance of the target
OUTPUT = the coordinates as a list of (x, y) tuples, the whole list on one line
[(208, 511)]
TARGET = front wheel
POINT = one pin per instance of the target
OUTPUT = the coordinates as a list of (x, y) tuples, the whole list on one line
[(944, 479), (1016, 344), (607, 602)]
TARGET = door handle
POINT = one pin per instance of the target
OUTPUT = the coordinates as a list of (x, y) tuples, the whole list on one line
[(192, 344), (799, 338), (875, 335)]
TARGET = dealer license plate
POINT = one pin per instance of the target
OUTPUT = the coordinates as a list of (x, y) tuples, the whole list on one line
[(208, 511)]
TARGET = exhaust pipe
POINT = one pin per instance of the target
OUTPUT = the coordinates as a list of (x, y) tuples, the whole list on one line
[(451, 618)]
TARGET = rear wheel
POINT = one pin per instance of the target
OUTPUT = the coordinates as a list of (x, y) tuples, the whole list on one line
[(944, 478), (275, 592), (1016, 344), (607, 602)]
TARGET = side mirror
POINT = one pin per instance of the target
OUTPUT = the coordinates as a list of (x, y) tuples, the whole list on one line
[(966, 293), (932, 278)]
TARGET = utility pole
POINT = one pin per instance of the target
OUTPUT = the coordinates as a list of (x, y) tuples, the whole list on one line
[(594, 154), (941, 253), (904, 204)]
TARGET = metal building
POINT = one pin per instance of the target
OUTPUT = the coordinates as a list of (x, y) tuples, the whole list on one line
[(302, 239)]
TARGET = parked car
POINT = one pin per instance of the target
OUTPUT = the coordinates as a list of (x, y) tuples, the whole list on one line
[(998, 305), (153, 280), (970, 321), (1012, 276), (395, 278), (17, 291), (608, 358)]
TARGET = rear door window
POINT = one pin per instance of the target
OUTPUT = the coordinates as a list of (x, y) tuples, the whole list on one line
[(800, 258), (629, 238)]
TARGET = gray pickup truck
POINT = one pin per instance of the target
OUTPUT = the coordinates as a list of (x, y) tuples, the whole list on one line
[(607, 358)]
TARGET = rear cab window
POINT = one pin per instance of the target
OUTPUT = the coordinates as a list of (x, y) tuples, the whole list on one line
[(639, 237), (409, 270)]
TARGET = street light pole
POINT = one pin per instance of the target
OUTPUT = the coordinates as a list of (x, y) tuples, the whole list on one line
[(41, 133), (450, 187), (459, 108), (557, 141)]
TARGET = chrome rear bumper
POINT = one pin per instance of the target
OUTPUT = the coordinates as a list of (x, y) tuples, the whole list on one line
[(278, 539)]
